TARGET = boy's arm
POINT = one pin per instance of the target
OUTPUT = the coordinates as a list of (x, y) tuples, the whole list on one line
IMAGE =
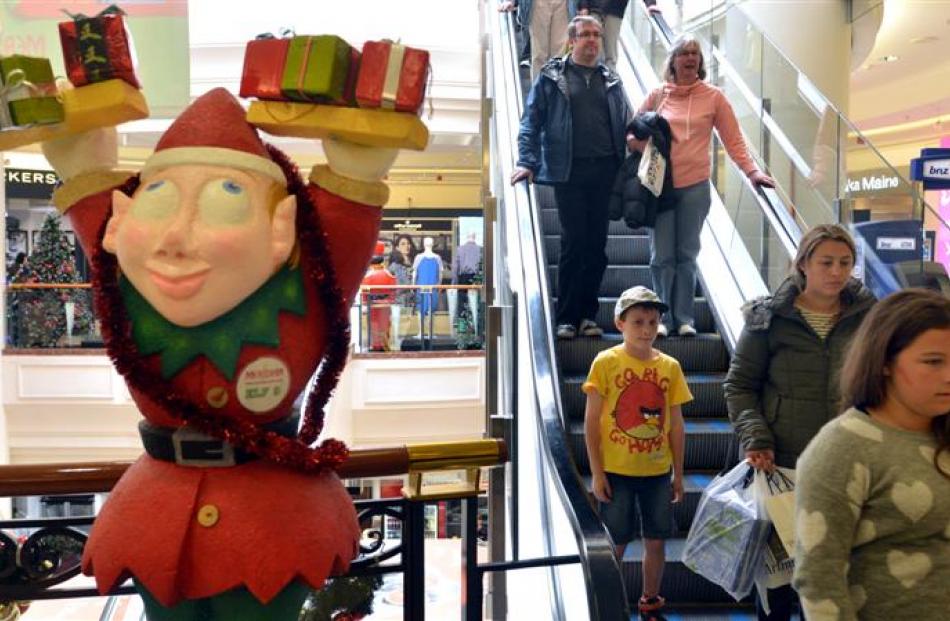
[(595, 403), (678, 448)]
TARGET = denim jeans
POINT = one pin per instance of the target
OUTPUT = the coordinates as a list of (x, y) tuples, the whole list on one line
[(675, 247), (582, 212)]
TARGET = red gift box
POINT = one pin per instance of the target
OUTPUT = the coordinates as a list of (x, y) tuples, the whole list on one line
[(263, 68), (392, 76), (349, 89), (97, 49)]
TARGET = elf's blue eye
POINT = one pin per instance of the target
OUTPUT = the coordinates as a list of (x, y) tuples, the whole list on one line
[(231, 187), (154, 186)]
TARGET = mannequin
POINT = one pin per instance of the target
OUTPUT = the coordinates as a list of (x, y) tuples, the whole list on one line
[(379, 302), (427, 270), (466, 267)]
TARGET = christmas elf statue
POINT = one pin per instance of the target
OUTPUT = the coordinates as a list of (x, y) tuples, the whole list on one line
[(223, 280)]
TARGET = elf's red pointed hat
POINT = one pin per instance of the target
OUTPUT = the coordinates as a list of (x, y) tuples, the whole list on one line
[(213, 131)]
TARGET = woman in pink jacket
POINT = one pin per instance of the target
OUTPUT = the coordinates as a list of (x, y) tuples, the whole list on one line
[(693, 108)]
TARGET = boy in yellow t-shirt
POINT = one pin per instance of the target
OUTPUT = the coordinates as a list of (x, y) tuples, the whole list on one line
[(633, 424)]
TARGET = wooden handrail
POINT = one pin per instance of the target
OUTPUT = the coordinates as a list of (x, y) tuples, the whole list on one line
[(101, 476)]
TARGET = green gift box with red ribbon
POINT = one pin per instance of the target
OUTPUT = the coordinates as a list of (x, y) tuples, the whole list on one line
[(317, 69), (28, 94)]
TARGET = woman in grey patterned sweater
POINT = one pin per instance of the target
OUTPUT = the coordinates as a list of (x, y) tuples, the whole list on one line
[(873, 495)]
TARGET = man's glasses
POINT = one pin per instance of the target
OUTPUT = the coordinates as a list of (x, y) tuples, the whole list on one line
[(589, 35)]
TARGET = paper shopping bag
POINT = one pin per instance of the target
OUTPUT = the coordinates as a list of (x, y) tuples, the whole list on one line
[(652, 169)]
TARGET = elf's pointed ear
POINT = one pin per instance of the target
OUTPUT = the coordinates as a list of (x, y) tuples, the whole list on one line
[(283, 230), (120, 207)]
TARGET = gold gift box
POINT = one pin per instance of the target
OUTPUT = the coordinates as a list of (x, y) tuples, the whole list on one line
[(369, 127), (102, 104)]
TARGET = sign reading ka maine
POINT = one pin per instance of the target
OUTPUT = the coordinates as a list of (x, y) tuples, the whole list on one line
[(871, 183), (933, 168)]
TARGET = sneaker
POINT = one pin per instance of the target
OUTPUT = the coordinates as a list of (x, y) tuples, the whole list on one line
[(566, 331), (662, 330), (589, 328), (686, 330), (650, 607), (525, 63)]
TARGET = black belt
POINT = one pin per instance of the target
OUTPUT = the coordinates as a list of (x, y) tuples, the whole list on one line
[(189, 447)]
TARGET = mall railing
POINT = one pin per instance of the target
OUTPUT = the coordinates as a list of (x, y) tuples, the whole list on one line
[(551, 517), (393, 318), (810, 147), (38, 555)]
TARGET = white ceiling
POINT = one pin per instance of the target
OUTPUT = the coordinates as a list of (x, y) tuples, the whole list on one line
[(901, 92)]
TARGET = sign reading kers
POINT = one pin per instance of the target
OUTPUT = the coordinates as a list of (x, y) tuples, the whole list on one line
[(22, 183)]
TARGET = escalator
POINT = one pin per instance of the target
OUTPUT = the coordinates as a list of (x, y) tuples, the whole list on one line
[(747, 244)]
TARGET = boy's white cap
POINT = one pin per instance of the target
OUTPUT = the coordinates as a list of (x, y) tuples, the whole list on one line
[(638, 295)]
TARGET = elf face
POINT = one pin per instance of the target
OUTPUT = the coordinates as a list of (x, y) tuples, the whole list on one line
[(195, 241)]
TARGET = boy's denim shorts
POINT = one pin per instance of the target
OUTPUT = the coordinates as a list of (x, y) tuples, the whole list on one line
[(639, 506)]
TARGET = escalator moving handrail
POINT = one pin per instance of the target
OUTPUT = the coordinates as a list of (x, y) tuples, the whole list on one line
[(600, 567)]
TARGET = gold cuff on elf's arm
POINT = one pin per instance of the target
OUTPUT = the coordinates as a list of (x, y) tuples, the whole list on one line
[(87, 184), (366, 192)]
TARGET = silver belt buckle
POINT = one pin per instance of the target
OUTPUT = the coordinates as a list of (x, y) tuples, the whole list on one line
[(215, 453)]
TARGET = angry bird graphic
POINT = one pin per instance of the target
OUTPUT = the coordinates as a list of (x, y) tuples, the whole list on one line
[(639, 410)]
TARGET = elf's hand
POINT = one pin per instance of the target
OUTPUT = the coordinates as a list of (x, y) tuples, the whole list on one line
[(369, 164), (94, 150)]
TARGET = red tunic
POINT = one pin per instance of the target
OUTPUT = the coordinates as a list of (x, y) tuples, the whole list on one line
[(191, 532)]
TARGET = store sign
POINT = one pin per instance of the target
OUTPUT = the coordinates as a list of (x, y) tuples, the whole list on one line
[(896, 243), (937, 169), (422, 225), (23, 183), (873, 183)]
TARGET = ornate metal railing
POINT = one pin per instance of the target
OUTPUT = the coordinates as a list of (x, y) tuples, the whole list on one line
[(30, 566)]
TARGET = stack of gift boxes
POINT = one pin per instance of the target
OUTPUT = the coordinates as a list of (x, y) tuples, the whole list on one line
[(96, 50), (326, 70)]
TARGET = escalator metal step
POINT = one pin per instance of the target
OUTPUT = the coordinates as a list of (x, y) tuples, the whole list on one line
[(616, 280), (679, 583), (708, 399), (605, 314), (709, 444), (621, 249), (704, 353)]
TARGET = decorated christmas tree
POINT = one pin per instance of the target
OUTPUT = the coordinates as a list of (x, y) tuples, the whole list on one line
[(41, 314)]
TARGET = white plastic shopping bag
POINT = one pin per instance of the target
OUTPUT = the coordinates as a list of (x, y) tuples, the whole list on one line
[(652, 168), (728, 535)]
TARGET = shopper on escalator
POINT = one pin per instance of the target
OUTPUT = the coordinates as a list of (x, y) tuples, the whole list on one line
[(546, 21), (693, 109), (610, 13), (873, 495), (572, 138), (782, 384)]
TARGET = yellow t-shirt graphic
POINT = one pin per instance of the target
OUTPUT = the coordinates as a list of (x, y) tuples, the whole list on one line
[(635, 419)]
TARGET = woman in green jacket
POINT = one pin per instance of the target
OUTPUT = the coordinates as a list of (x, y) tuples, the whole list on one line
[(782, 384)]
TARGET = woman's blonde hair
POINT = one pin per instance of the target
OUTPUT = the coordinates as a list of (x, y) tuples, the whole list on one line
[(813, 238), (669, 74)]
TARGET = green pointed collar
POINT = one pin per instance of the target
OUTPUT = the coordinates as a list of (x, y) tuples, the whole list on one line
[(252, 321)]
